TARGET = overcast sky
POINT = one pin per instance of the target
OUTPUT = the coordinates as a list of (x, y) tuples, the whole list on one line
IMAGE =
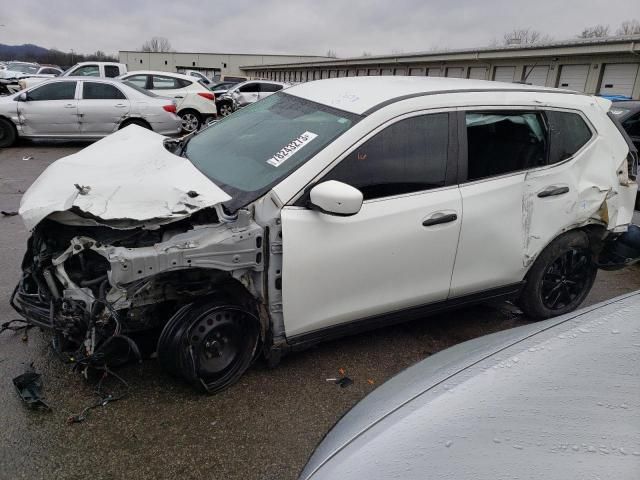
[(348, 27)]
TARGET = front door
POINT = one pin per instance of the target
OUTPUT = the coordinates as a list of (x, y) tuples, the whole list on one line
[(50, 109), (246, 94), (102, 108), (397, 252)]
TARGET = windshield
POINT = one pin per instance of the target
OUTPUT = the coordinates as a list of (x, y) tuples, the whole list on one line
[(250, 151), (22, 67)]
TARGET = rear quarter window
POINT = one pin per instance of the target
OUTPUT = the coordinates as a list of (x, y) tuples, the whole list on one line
[(568, 133)]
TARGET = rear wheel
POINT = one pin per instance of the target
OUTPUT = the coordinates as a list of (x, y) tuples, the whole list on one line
[(8, 133), (140, 123), (561, 277), (191, 120), (210, 344)]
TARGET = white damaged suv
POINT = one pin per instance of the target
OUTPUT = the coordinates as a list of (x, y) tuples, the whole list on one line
[(326, 209)]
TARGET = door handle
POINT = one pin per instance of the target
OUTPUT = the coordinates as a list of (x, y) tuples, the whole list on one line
[(553, 191), (449, 217), (120, 105), (69, 105), (178, 96)]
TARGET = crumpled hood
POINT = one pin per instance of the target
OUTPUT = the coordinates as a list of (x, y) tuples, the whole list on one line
[(127, 177)]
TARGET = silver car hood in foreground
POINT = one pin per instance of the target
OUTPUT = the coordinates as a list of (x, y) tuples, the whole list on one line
[(127, 179), (556, 400)]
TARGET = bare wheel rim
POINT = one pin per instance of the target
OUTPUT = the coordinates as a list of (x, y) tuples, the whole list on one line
[(566, 279), (225, 110), (190, 122)]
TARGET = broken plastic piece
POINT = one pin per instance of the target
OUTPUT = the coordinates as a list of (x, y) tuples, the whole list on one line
[(344, 382), (29, 387)]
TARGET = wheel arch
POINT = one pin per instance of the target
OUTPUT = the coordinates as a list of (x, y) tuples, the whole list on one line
[(129, 120)]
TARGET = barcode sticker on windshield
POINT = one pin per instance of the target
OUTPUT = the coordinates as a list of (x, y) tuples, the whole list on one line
[(291, 149)]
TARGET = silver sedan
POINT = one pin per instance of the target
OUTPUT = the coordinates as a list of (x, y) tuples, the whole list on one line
[(83, 108)]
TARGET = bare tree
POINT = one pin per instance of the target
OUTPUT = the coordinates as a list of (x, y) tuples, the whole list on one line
[(597, 31), (366, 54), (156, 44), (524, 36), (630, 27), (331, 54)]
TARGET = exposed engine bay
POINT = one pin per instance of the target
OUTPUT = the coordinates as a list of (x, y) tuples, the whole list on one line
[(96, 287)]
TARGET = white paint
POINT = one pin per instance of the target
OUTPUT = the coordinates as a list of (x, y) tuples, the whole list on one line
[(131, 176)]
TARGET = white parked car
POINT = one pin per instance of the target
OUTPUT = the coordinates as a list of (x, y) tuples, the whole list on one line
[(246, 93), (195, 102), (24, 69), (83, 69), (326, 209), (201, 77), (83, 108)]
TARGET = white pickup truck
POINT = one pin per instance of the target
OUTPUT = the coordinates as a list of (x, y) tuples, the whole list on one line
[(82, 69)]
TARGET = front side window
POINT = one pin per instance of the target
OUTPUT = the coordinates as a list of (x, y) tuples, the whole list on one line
[(101, 91), (86, 71), (250, 151), (568, 133), (53, 91), (408, 156), (502, 142), (111, 71)]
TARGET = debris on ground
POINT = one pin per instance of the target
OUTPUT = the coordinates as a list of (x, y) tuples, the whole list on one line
[(370, 381), (26, 158), (104, 397), (29, 388), (23, 325), (344, 382), (8, 214)]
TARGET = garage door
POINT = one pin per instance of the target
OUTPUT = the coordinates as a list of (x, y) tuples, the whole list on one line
[(479, 73), (574, 77), (618, 79), (536, 75), (504, 74), (434, 72), (455, 72)]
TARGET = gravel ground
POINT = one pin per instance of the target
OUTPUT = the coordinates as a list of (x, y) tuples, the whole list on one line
[(265, 427)]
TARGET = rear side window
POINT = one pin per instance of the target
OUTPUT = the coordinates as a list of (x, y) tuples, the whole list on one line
[(111, 71), (139, 81), (101, 91), (568, 133), (250, 88), (168, 83), (270, 87), (408, 156), (54, 91), (503, 142)]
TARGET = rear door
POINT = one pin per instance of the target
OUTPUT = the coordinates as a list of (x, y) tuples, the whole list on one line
[(166, 86), (50, 109), (499, 146), (102, 107)]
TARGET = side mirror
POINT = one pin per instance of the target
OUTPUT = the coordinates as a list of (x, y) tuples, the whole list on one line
[(23, 97), (336, 198)]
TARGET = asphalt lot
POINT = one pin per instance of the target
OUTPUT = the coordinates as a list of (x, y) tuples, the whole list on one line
[(265, 427)]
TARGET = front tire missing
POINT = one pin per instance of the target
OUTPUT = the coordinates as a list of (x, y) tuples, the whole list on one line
[(209, 344), (561, 277), (8, 133)]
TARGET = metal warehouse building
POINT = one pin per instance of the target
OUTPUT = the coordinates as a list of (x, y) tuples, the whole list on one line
[(606, 66), (213, 65)]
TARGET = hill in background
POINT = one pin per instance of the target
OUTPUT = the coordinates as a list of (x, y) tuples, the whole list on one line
[(36, 53)]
